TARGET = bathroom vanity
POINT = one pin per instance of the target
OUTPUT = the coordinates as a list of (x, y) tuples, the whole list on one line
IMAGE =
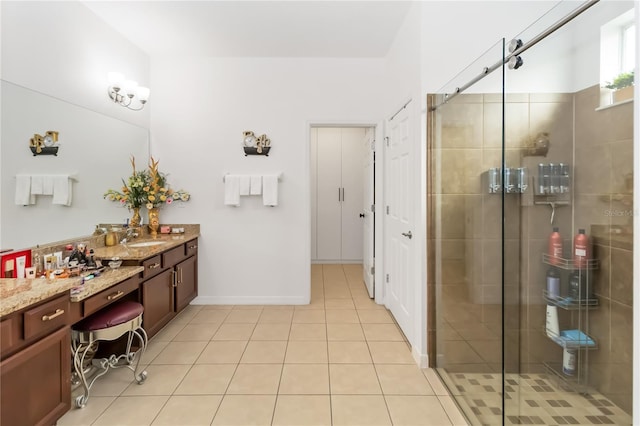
[(36, 316)]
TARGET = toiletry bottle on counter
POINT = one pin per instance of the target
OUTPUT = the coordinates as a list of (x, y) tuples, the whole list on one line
[(581, 252), (555, 247), (553, 283)]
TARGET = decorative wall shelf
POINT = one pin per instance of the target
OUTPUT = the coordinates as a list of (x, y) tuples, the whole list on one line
[(46, 150), (254, 151)]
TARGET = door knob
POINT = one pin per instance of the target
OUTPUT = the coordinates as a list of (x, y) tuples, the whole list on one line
[(408, 234), (361, 214)]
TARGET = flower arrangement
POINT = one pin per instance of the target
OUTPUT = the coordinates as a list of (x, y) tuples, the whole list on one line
[(147, 188), (158, 191)]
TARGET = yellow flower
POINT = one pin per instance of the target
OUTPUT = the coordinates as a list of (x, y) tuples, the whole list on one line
[(185, 197), (152, 198), (146, 189), (149, 206), (163, 198)]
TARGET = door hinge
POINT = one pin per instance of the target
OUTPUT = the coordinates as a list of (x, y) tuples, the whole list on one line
[(387, 209), (387, 277), (386, 140), (373, 270), (373, 208), (373, 145)]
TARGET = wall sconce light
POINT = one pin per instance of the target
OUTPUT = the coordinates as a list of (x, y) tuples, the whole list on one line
[(123, 91)]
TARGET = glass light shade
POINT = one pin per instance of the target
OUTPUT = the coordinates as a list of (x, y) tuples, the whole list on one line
[(115, 79), (130, 87), (143, 93)]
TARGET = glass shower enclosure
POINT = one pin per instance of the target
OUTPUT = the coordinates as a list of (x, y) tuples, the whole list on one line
[(527, 327)]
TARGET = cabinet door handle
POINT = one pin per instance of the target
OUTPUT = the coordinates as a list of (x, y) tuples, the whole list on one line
[(175, 279), (180, 275), (154, 265), (193, 247), (342, 194), (56, 314), (116, 295), (339, 199)]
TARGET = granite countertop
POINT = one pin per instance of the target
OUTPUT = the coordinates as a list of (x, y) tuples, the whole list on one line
[(108, 278), (16, 294), (126, 252)]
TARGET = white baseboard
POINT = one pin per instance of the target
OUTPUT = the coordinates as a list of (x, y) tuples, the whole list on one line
[(250, 300), (421, 359)]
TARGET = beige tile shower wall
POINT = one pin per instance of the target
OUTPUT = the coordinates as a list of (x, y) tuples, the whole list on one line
[(603, 205)]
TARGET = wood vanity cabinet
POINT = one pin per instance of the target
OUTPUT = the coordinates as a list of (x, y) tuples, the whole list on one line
[(35, 370), (169, 283)]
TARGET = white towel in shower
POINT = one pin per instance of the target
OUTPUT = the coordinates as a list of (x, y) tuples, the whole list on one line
[(232, 190), (245, 183), (256, 184), (62, 190), (23, 191), (270, 190)]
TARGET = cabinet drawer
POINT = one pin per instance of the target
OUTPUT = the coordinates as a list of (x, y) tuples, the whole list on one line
[(47, 317), (109, 295), (191, 247), (7, 336), (173, 256), (151, 266)]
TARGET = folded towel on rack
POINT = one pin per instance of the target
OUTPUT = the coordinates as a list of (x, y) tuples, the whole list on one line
[(62, 190), (256, 185), (37, 185), (23, 191), (270, 190), (232, 190), (245, 183)]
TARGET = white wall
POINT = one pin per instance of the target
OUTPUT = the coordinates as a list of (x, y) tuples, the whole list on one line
[(64, 50), (252, 253)]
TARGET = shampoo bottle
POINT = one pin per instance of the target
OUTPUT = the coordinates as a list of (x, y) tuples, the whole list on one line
[(553, 283), (569, 362), (555, 247), (581, 252)]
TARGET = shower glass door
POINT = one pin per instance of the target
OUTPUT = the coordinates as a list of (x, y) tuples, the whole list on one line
[(523, 331), (466, 156), (568, 319)]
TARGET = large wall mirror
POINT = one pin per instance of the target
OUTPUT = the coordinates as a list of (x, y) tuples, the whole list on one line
[(93, 147)]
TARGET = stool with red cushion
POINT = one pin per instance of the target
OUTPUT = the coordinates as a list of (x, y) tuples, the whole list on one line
[(110, 323)]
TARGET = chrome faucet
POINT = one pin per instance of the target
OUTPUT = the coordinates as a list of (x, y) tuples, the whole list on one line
[(130, 234)]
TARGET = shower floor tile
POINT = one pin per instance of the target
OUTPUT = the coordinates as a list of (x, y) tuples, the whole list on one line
[(532, 399)]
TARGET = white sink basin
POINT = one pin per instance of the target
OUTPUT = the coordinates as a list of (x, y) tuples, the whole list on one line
[(146, 244)]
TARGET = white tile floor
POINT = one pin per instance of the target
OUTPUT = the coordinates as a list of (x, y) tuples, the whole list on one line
[(339, 361)]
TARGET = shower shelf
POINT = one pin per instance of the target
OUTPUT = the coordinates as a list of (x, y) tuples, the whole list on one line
[(568, 264), (583, 341), (573, 382), (569, 303)]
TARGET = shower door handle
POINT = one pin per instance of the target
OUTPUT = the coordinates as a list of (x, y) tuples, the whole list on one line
[(409, 235)]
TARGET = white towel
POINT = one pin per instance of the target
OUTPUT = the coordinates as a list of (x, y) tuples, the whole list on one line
[(232, 190), (23, 191), (245, 183), (47, 185), (37, 185), (256, 185), (270, 190), (62, 190)]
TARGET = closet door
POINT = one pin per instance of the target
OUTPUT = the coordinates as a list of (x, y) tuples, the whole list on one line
[(313, 154), (329, 194), (352, 174)]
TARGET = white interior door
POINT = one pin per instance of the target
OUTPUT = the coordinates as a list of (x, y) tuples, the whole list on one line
[(313, 154), (399, 221), (352, 189), (368, 198), (329, 194)]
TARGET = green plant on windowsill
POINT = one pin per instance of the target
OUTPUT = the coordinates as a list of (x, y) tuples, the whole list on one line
[(623, 80)]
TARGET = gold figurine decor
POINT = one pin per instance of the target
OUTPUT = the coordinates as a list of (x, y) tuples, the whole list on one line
[(44, 145), (146, 188), (255, 145)]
